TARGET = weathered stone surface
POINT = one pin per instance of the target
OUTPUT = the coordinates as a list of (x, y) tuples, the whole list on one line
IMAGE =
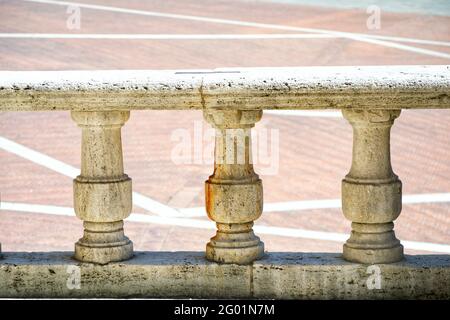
[(371, 192), (102, 192), (150, 274), (378, 87), (190, 275), (234, 193), (232, 100), (327, 276)]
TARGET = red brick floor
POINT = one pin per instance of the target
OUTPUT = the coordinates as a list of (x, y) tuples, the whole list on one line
[(315, 153)]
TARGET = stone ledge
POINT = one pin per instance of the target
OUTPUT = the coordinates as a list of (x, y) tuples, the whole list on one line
[(189, 275), (366, 87)]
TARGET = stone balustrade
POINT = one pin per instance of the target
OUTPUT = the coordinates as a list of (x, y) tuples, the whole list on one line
[(370, 98)]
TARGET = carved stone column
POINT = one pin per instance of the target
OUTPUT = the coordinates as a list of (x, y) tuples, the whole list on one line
[(102, 192), (371, 192), (234, 194)]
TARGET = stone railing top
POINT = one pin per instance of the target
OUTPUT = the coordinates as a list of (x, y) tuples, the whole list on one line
[(375, 87)]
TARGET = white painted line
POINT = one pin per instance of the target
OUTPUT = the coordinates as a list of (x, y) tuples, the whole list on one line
[(323, 204), (348, 35), (301, 233), (163, 36), (426, 198), (192, 212), (163, 210), (204, 224), (180, 222), (408, 40), (144, 202), (426, 246), (151, 36), (39, 158), (37, 208), (305, 113), (302, 205), (336, 203), (406, 48)]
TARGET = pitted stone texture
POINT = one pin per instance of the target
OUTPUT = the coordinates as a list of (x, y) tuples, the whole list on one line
[(234, 203), (148, 274), (104, 253), (102, 192), (232, 119), (190, 275), (372, 203), (234, 193), (103, 201), (327, 276), (371, 192), (366, 87)]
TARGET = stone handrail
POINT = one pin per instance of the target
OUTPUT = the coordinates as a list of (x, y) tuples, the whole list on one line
[(390, 87), (371, 98)]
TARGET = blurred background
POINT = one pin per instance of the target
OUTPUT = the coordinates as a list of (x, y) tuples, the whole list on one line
[(309, 152)]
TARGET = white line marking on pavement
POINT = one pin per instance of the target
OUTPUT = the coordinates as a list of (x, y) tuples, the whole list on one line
[(410, 40), (163, 210), (37, 208), (214, 36), (426, 198), (324, 204), (336, 203), (203, 224), (163, 36), (305, 113), (39, 158), (405, 47), (348, 35), (139, 200), (144, 202)]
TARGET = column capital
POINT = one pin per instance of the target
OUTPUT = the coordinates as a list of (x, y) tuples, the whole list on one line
[(370, 116), (100, 118), (232, 119)]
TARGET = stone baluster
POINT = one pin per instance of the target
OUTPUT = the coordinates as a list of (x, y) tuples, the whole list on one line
[(102, 192), (371, 192), (234, 194)]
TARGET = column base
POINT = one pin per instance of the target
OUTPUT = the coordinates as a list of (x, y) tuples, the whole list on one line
[(373, 256), (103, 253), (103, 243), (234, 243), (373, 243), (236, 255)]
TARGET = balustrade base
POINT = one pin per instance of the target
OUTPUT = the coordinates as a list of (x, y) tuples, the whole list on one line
[(103, 254), (190, 275), (237, 255), (375, 255)]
